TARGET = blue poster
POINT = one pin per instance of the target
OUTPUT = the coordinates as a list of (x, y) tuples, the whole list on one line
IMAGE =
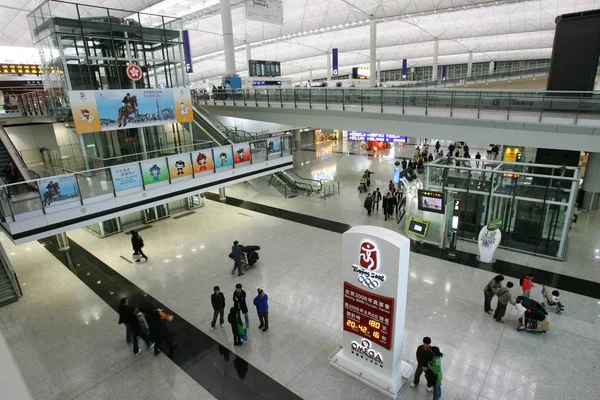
[(274, 147), (58, 190), (127, 176), (223, 158)]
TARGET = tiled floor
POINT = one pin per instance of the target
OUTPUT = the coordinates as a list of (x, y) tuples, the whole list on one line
[(300, 270)]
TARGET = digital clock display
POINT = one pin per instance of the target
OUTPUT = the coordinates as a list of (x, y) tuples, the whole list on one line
[(368, 315)]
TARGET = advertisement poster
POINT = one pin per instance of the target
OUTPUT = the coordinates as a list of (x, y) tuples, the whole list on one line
[(58, 190), (203, 162), (126, 176), (155, 171), (241, 154), (180, 166), (223, 158), (274, 147), (108, 110)]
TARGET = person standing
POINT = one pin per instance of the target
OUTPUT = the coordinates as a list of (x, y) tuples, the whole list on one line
[(218, 303), (125, 317), (236, 255), (239, 302), (137, 243), (490, 290), (477, 157), (261, 301), (234, 320), (390, 206), (376, 199), (391, 186), (527, 285), (424, 356), (435, 365), (368, 203), (404, 164), (504, 297)]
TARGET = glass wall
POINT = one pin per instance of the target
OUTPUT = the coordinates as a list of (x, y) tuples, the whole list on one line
[(536, 209)]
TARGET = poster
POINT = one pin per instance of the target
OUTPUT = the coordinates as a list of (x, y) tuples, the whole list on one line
[(270, 11), (241, 154), (180, 166), (203, 162), (223, 158), (274, 147), (155, 171), (58, 190), (108, 110), (126, 176)]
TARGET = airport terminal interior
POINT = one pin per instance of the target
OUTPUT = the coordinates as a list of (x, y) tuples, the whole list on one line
[(366, 168)]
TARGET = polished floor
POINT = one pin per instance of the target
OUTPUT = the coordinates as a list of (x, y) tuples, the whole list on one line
[(299, 269)]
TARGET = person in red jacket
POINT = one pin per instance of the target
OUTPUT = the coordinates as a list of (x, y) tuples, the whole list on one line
[(527, 285)]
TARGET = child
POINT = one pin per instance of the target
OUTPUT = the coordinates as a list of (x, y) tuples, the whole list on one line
[(527, 285), (556, 300)]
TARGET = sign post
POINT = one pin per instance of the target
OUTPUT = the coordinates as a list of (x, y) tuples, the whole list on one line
[(375, 277)]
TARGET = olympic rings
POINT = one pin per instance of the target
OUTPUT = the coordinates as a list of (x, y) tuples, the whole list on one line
[(368, 282)]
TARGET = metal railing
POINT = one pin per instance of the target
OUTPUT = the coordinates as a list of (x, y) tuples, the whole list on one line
[(404, 101), (38, 103)]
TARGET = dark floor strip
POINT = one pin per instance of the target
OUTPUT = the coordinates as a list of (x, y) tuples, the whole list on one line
[(542, 277), (186, 214), (222, 373)]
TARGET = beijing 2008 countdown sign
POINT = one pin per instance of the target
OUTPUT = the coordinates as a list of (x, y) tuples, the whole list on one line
[(375, 277)]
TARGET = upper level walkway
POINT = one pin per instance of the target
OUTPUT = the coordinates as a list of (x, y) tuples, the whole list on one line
[(569, 120)]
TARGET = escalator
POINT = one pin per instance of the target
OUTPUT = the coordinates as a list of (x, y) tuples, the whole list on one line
[(296, 183), (203, 131), (9, 154)]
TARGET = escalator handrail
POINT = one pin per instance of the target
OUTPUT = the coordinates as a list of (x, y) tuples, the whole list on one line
[(293, 183), (318, 183), (201, 115), (207, 133)]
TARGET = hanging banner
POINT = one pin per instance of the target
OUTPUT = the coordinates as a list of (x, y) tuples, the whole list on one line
[(180, 166), (203, 162), (58, 190), (269, 11), (109, 110), (223, 158), (241, 154), (155, 171), (189, 68), (274, 148), (334, 55), (126, 176), (404, 67)]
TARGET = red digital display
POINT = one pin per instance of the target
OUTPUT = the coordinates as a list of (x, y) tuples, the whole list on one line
[(368, 315)]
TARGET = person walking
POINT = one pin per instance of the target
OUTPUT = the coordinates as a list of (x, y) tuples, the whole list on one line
[(504, 297), (390, 206), (234, 320), (527, 285), (368, 203), (137, 243), (435, 366), (239, 302), (424, 356), (218, 303), (158, 333), (133, 322), (477, 157), (404, 164), (125, 317), (489, 290), (391, 186), (376, 199), (236, 255), (261, 301)]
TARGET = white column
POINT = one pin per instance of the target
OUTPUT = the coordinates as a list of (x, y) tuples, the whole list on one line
[(228, 37), (491, 70), (328, 68), (470, 65), (373, 54), (222, 196), (378, 72), (248, 54), (310, 76), (434, 74)]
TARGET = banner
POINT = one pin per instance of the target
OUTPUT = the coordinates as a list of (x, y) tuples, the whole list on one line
[(274, 148), (223, 157), (203, 162), (189, 68), (334, 55), (108, 110), (180, 166), (241, 154), (404, 67), (58, 190), (126, 176), (269, 11), (155, 171)]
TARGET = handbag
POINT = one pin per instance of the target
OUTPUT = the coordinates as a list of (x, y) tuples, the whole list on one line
[(241, 329), (245, 335), (137, 256)]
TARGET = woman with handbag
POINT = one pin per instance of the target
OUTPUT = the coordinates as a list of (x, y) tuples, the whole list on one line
[(137, 243), (489, 291)]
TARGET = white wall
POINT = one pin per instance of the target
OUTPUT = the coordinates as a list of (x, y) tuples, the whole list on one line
[(254, 126)]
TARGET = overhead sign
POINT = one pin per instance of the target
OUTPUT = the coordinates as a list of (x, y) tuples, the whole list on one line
[(133, 72), (375, 278), (187, 52), (334, 55), (109, 110), (269, 11), (376, 137)]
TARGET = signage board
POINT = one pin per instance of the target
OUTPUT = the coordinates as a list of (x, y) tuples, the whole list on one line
[(108, 110), (376, 137), (262, 68), (375, 278), (431, 201), (269, 11), (187, 53), (126, 176), (335, 62)]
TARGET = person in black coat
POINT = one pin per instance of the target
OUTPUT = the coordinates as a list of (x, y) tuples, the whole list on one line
[(126, 316), (390, 206), (159, 331), (239, 302), (376, 198), (234, 320), (218, 303), (137, 243)]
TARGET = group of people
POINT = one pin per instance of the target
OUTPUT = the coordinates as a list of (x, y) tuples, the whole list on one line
[(148, 322), (390, 201), (239, 309), (429, 362)]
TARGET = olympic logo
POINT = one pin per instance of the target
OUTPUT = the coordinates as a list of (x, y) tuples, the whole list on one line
[(368, 282)]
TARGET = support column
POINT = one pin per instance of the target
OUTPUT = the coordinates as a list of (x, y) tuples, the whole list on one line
[(470, 65), (65, 250), (434, 74), (228, 37), (591, 183), (378, 72), (373, 54), (222, 196), (328, 68), (491, 69)]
